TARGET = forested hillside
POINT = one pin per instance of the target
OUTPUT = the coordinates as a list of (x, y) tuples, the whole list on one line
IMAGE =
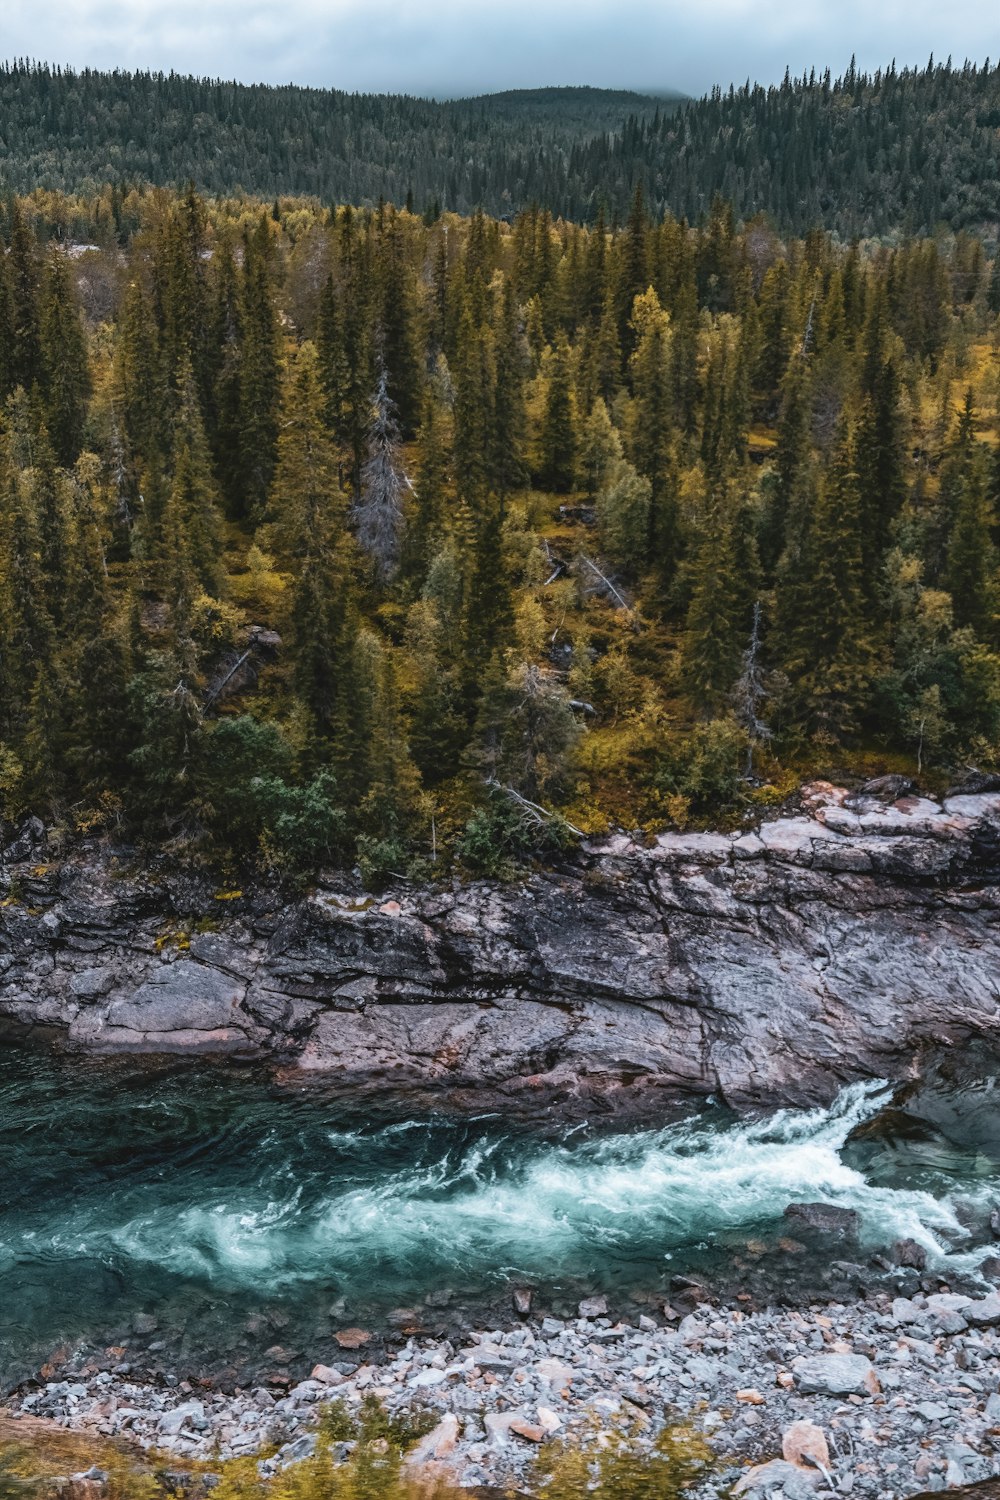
[(903, 151), (67, 131), (348, 536)]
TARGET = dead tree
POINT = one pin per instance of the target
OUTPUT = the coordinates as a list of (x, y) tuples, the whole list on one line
[(749, 695), (379, 514)]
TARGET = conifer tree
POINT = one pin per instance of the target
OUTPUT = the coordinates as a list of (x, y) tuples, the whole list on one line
[(191, 554), (63, 345), (557, 440), (474, 391), (424, 535), (652, 427), (309, 519), (224, 417), (27, 639), (820, 628), (971, 573), (25, 356), (714, 628), (507, 466), (259, 374)]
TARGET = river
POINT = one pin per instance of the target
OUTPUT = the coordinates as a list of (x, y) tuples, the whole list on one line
[(210, 1216)]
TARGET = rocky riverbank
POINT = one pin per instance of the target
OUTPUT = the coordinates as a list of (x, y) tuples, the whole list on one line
[(883, 1398), (762, 968)]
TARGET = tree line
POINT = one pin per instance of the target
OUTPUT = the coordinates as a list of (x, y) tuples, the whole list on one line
[(898, 151), (342, 535)]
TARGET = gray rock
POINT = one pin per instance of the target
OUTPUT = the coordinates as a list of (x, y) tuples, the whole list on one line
[(593, 1307), (778, 1478), (188, 1414), (685, 968), (178, 998), (835, 1375), (984, 1314), (909, 1253), (827, 1219)]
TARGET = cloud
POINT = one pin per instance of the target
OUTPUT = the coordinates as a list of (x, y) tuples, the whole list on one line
[(443, 46)]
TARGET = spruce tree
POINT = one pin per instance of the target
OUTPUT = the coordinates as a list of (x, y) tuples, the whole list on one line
[(714, 631), (66, 373), (259, 374), (25, 357), (557, 440)]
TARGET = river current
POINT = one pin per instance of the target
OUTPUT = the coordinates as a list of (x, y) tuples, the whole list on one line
[(237, 1221)]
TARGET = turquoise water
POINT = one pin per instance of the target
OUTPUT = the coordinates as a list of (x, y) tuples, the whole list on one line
[(240, 1215)]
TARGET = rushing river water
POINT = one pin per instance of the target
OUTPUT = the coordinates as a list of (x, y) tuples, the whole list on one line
[(248, 1220)]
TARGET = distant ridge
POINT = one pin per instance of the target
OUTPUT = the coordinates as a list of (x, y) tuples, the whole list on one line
[(70, 130), (905, 150)]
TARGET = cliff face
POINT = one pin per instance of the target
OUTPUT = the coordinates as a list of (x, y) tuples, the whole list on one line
[(763, 969)]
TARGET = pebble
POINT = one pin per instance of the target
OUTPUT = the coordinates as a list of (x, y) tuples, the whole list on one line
[(876, 1398)]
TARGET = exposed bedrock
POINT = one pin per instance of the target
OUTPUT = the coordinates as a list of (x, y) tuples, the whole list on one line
[(762, 968)]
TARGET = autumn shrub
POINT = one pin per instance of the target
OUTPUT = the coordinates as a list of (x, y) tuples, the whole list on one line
[(617, 1464)]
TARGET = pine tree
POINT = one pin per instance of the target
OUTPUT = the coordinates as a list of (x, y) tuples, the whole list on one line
[(971, 573), (309, 514), (714, 628), (557, 440), (224, 418), (508, 470), (792, 457), (259, 374), (474, 391), (821, 630), (190, 560), (652, 427), (880, 452), (63, 346), (424, 534), (27, 640), (25, 358)]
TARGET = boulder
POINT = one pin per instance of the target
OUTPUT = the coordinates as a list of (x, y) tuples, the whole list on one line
[(439, 1443), (779, 1478), (593, 1307), (888, 788), (189, 1414), (984, 1314), (909, 1253), (804, 1442), (836, 1375), (827, 1219)]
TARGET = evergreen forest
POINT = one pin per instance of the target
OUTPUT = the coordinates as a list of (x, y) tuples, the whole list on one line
[(418, 541), (902, 151)]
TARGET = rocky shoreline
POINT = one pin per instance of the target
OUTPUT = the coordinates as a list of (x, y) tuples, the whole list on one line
[(882, 1398), (762, 968)]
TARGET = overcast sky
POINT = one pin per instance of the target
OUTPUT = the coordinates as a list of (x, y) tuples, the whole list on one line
[(469, 46)]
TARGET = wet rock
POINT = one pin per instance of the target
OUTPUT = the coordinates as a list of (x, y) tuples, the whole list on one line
[(909, 1253), (352, 1338), (827, 1219), (593, 1307)]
